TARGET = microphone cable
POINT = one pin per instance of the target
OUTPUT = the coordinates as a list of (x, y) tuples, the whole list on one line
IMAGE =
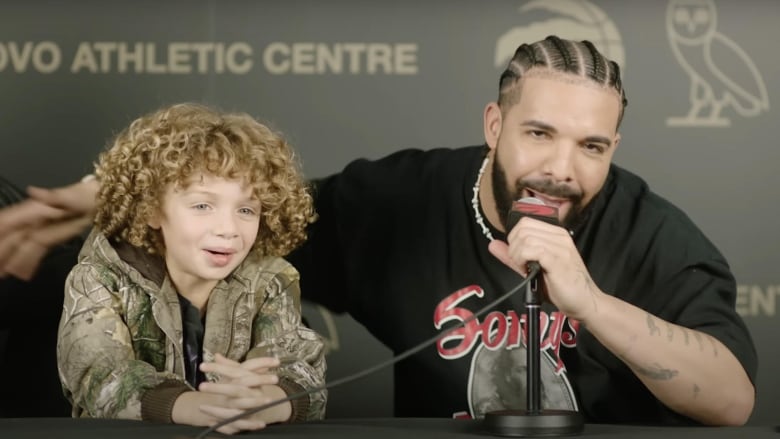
[(534, 270)]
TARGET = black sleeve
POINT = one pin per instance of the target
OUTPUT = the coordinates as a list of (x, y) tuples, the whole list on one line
[(319, 260), (9, 194), (43, 293), (711, 309), (9, 286), (357, 210)]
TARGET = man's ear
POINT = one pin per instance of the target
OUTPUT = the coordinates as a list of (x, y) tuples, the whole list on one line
[(491, 120)]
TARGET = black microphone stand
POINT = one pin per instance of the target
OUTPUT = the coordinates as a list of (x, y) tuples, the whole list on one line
[(533, 421)]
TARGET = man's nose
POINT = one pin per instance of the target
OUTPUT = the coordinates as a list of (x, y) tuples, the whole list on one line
[(560, 162)]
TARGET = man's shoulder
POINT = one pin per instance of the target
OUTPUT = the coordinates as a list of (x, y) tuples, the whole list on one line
[(398, 178), (631, 192), (634, 203), (415, 160)]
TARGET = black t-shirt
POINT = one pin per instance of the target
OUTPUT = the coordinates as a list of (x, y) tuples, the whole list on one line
[(193, 328), (398, 247)]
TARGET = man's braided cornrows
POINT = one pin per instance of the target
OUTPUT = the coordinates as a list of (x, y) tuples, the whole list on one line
[(579, 58)]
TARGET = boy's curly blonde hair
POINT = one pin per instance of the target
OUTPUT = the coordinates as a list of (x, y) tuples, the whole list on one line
[(175, 144)]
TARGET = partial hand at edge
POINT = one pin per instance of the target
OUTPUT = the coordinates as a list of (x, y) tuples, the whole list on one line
[(31, 228), (75, 199)]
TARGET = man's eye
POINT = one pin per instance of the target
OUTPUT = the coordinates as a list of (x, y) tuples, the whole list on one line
[(595, 147)]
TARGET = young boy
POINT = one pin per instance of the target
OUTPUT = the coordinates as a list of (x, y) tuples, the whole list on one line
[(181, 308)]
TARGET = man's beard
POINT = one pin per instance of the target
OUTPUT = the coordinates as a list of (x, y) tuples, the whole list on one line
[(504, 198)]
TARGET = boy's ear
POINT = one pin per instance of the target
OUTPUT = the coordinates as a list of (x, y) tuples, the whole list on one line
[(154, 222)]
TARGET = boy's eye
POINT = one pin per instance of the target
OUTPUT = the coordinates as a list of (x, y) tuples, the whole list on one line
[(201, 206)]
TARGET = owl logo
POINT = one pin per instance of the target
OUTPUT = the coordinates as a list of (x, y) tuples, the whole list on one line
[(705, 55)]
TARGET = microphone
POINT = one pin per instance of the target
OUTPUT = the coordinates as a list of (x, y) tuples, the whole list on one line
[(377, 367), (536, 209), (533, 207), (533, 420)]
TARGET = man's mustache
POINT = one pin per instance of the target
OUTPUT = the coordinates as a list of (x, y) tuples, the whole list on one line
[(548, 187)]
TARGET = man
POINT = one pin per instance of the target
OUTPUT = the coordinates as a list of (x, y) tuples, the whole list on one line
[(643, 327), (640, 326)]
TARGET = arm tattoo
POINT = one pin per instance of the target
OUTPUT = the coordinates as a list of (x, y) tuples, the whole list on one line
[(669, 331), (685, 333), (696, 391), (654, 330), (698, 339), (656, 372), (714, 346)]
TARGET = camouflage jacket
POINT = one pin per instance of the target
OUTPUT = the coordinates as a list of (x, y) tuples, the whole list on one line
[(120, 341)]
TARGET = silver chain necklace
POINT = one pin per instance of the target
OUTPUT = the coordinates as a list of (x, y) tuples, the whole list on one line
[(475, 203)]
